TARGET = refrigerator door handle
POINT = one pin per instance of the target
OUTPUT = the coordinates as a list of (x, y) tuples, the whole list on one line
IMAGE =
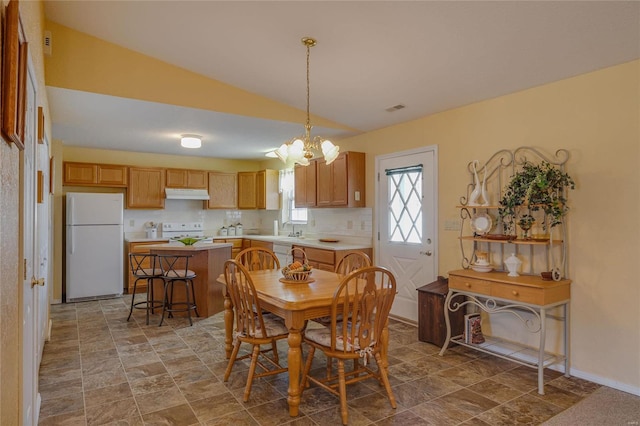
[(71, 211), (71, 240)]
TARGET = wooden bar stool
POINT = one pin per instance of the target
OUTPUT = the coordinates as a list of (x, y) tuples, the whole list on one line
[(144, 267), (175, 269)]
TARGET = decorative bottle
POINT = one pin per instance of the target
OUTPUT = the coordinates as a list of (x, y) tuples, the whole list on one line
[(513, 263), (477, 191)]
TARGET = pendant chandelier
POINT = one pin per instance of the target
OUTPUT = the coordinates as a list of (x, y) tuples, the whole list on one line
[(301, 148)]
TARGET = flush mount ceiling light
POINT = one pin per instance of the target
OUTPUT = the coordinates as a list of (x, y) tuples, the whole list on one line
[(300, 149), (191, 141)]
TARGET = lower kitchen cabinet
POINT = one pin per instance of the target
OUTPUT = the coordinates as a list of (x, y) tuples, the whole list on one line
[(141, 247), (237, 245), (323, 259)]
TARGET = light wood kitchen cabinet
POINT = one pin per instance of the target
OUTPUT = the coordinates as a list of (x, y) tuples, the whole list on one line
[(258, 190), (90, 174), (305, 184), (341, 183), (322, 258), (146, 188), (223, 191), (140, 247), (237, 245), (263, 244), (185, 178)]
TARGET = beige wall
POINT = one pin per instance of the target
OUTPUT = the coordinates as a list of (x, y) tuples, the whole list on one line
[(32, 15), (596, 117)]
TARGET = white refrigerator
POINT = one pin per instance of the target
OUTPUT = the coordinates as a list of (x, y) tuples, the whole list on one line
[(94, 246)]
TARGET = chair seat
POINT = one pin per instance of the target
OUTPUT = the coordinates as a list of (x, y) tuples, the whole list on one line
[(322, 336), (147, 272), (274, 326), (180, 274)]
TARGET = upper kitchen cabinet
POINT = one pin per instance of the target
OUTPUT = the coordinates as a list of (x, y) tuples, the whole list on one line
[(90, 174), (305, 184), (146, 188), (184, 178), (223, 191), (258, 190), (341, 183)]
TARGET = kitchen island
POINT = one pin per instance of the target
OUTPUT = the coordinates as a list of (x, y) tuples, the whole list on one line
[(207, 261)]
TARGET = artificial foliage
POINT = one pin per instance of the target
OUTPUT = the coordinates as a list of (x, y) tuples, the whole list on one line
[(536, 187)]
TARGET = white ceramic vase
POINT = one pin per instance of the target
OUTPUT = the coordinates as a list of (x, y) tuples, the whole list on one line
[(477, 190), (513, 264)]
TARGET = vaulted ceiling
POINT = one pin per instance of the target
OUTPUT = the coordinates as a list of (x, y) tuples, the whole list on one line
[(427, 56)]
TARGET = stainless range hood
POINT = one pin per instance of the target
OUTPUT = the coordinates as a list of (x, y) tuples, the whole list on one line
[(186, 194)]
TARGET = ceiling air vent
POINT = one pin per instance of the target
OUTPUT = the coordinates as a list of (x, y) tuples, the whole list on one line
[(395, 108)]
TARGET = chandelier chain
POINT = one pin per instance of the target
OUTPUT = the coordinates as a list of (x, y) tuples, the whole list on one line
[(308, 80)]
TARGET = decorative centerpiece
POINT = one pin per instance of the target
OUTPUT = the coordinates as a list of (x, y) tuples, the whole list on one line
[(297, 271), (189, 241)]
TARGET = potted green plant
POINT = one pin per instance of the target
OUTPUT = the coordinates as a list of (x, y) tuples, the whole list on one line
[(535, 187)]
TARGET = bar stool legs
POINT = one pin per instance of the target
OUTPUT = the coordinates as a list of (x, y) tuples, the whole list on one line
[(144, 267), (175, 269)]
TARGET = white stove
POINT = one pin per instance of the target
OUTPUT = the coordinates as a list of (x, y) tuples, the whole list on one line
[(177, 230)]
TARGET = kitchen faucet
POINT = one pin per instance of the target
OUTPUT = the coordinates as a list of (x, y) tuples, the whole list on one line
[(293, 232)]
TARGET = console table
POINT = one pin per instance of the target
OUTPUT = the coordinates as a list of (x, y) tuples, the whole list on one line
[(496, 292)]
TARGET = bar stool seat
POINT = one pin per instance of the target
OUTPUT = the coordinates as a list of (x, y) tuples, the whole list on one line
[(144, 266), (175, 269)]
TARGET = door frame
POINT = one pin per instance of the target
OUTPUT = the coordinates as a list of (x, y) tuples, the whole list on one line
[(380, 206)]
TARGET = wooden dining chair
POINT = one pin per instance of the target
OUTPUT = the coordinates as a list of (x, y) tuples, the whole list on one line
[(366, 294), (352, 261), (252, 326), (258, 258)]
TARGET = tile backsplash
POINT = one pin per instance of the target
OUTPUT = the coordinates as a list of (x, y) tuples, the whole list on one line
[(347, 224)]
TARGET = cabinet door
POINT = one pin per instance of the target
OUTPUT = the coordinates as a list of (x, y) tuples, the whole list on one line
[(267, 193), (340, 183), (184, 178), (197, 179), (80, 173), (176, 178), (146, 188), (112, 175), (247, 197), (223, 191), (324, 179), (305, 184)]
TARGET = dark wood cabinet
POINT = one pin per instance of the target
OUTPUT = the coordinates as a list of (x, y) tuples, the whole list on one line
[(431, 324)]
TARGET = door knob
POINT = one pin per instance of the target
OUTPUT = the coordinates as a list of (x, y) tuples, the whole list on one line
[(35, 282), (426, 253)]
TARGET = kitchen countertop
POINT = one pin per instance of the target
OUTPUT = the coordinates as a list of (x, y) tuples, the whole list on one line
[(195, 247), (307, 242)]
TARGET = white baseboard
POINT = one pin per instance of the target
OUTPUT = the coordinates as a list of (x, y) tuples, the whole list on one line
[(47, 338), (634, 390)]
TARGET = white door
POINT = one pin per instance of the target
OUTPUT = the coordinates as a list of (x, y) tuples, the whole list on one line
[(43, 233), (30, 405), (407, 231)]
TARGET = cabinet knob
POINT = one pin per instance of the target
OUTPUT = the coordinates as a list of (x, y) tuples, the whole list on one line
[(515, 293), (467, 285)]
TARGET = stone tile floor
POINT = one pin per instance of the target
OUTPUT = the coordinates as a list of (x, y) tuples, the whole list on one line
[(100, 369)]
